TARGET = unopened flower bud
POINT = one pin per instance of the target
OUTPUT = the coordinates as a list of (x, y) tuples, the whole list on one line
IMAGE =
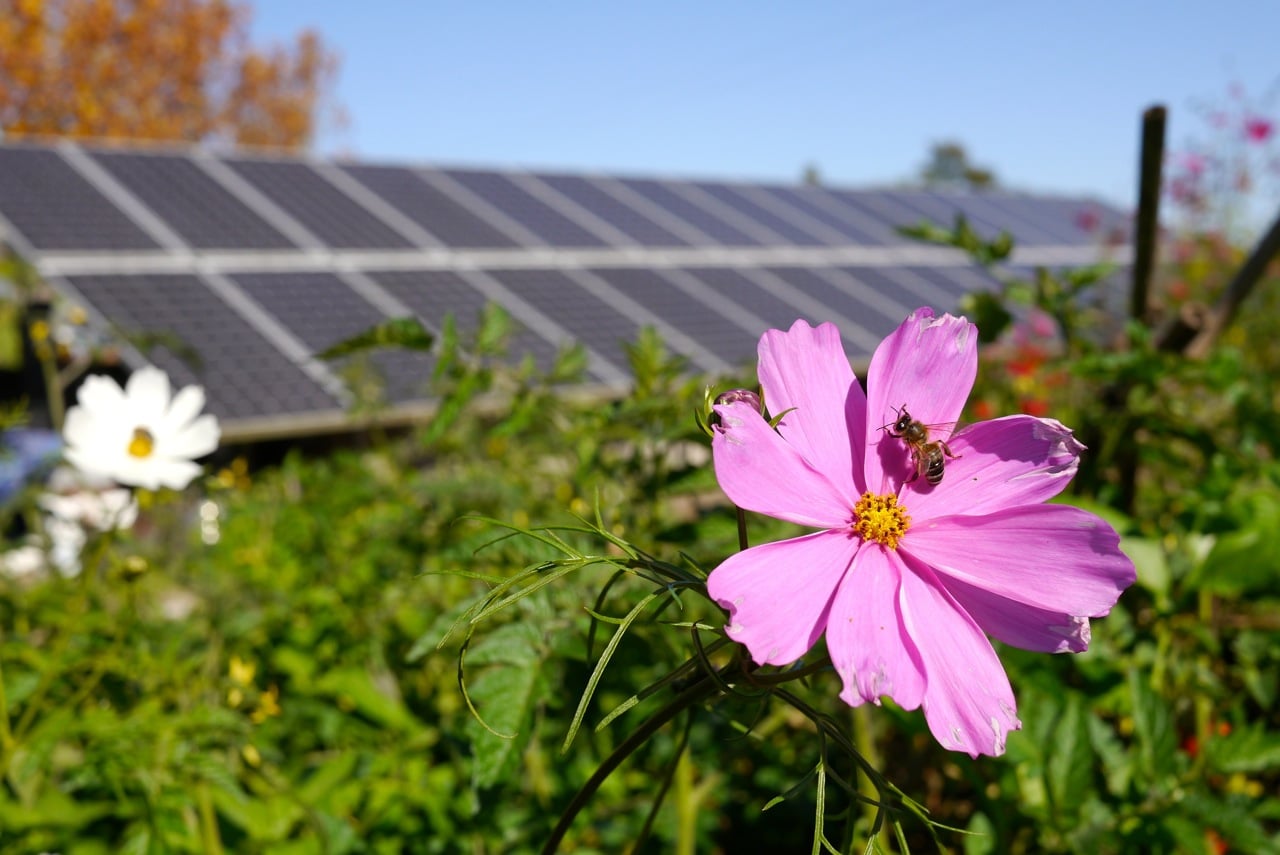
[(734, 396)]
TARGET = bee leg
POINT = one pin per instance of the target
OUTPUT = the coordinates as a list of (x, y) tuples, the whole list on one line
[(946, 449)]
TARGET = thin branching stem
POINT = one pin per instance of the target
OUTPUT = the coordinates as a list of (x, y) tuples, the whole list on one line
[(695, 694)]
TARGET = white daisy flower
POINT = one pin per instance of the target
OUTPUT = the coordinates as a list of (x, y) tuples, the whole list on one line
[(139, 435), (115, 508)]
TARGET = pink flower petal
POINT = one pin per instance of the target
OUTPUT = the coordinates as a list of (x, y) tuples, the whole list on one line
[(1002, 463), (866, 638), (1053, 557), (927, 365), (967, 698), (760, 471), (806, 371), (778, 594), (1021, 625)]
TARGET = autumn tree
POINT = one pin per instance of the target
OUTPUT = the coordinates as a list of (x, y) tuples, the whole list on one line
[(170, 70)]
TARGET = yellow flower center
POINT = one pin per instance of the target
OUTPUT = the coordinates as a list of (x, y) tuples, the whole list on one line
[(880, 518), (142, 444)]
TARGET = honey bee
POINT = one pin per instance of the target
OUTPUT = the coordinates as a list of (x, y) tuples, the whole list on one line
[(928, 456)]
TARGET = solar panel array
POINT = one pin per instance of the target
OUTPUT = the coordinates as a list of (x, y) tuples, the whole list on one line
[(256, 263)]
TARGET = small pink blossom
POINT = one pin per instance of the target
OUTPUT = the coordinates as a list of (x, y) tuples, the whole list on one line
[(1087, 220), (906, 578), (1257, 129)]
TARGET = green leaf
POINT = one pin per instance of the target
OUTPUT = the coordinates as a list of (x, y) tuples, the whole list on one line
[(1069, 766), (981, 839), (1153, 727), (505, 695), (1151, 563), (355, 688), (407, 333), (1248, 749)]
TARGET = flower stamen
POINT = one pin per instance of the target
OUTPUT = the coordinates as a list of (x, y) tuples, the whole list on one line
[(142, 444), (880, 519)]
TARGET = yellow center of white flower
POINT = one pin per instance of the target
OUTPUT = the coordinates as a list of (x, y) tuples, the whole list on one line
[(880, 519), (142, 444)]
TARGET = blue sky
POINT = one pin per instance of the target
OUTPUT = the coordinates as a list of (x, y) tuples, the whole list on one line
[(1048, 94)]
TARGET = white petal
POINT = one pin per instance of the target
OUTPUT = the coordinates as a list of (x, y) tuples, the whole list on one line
[(186, 405), (197, 440), (148, 395)]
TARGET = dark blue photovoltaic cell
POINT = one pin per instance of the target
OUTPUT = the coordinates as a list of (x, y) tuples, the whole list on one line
[(446, 219), (541, 219), (325, 211), (48, 202), (242, 373), (433, 294), (859, 228), (937, 210), (590, 320), (841, 300), (197, 207), (993, 209), (321, 310), (602, 204), (678, 206), (732, 285), (880, 206), (692, 317), (1078, 222), (903, 287), (956, 282), (787, 230)]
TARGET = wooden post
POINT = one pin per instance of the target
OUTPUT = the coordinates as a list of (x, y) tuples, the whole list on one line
[(1147, 219)]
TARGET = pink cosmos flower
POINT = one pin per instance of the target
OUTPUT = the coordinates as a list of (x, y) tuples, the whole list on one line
[(1257, 129), (907, 578)]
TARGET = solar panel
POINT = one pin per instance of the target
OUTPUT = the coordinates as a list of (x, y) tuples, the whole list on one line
[(596, 199), (254, 264), (733, 285), (784, 227), (588, 318), (198, 208), (434, 211), (242, 373), (824, 207), (698, 319), (530, 212), (53, 207), (322, 311), (333, 217), (681, 208), (434, 294)]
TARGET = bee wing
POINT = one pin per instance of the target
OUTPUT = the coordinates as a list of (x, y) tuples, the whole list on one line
[(945, 430)]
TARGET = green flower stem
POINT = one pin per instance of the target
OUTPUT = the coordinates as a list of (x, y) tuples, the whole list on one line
[(864, 739), (212, 843), (703, 689), (6, 737), (686, 807)]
